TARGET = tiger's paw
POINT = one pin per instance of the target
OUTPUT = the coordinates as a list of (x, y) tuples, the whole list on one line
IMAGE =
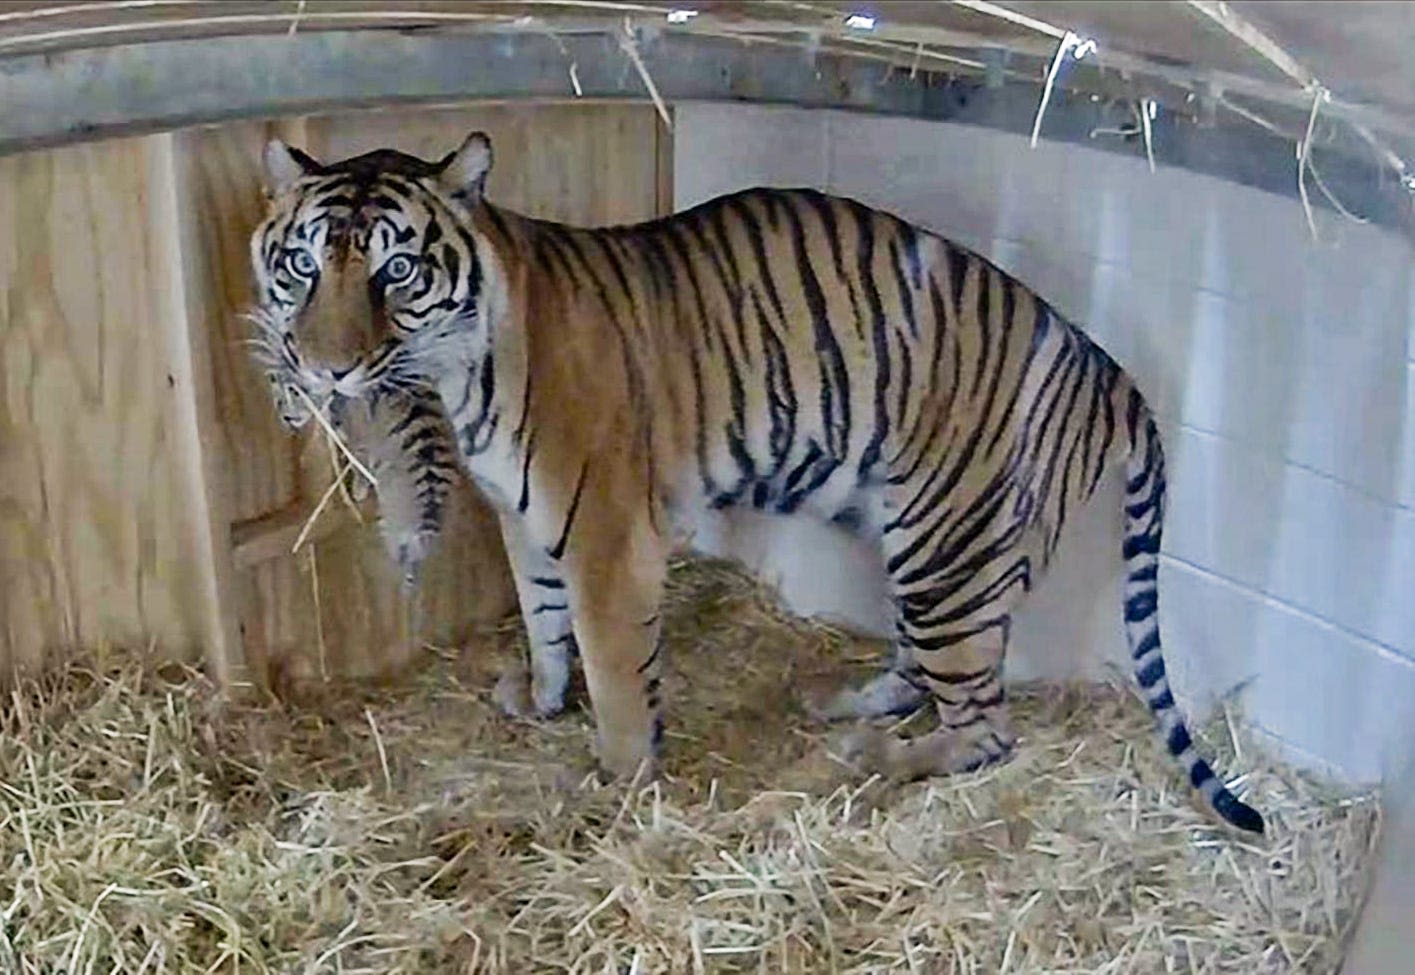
[(876, 751), (517, 696), (547, 698), (629, 768)]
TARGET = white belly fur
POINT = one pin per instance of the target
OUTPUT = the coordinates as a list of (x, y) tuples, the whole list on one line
[(818, 569)]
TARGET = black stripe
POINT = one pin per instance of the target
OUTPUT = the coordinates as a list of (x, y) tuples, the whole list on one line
[(736, 292), (519, 433), (547, 251), (1179, 740), (906, 297), (780, 394), (497, 220), (1147, 573), (835, 379), (652, 658), (866, 250), (1141, 606), (432, 233), (716, 271), (824, 208), (1150, 674), (910, 235), (957, 678), (525, 500), (559, 548), (1148, 642), (1146, 544)]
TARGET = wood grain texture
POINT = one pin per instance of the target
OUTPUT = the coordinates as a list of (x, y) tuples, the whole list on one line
[(95, 541), (256, 462), (368, 627), (222, 171), (589, 164), (205, 512)]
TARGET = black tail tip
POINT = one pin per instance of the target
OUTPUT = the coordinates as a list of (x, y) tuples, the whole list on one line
[(1240, 814)]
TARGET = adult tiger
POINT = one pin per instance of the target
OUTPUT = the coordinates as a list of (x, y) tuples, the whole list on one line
[(781, 349)]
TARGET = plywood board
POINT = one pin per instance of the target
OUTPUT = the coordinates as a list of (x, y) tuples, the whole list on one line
[(588, 164), (222, 174), (96, 543), (368, 627)]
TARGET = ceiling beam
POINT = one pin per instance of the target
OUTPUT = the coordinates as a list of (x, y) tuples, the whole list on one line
[(76, 95), (1251, 36)]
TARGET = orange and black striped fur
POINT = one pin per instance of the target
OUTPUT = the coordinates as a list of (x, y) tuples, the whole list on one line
[(781, 349)]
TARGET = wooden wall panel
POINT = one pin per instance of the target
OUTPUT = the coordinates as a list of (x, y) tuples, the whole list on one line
[(223, 179), (580, 163), (97, 542), (257, 462)]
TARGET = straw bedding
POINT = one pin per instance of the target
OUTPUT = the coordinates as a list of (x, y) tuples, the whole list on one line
[(412, 829)]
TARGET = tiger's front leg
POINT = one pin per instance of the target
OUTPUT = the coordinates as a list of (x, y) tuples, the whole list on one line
[(615, 583), (545, 609)]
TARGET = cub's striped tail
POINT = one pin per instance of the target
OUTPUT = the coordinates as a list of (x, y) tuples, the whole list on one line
[(1144, 516)]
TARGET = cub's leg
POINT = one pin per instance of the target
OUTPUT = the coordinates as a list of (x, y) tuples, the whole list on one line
[(615, 575), (889, 693), (545, 608)]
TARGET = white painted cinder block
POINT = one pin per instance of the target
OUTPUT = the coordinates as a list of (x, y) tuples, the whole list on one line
[(1407, 440), (1221, 512), (1345, 557), (1283, 372), (1338, 701), (1381, 945), (721, 148)]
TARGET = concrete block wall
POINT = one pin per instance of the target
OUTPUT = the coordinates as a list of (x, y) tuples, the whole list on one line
[(1281, 369)]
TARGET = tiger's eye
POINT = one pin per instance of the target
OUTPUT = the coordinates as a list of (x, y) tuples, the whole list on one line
[(301, 263), (399, 269)]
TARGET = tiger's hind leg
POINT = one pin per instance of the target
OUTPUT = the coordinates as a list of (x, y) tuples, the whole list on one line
[(954, 581)]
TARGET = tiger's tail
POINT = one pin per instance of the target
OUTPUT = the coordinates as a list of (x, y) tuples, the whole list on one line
[(1144, 516)]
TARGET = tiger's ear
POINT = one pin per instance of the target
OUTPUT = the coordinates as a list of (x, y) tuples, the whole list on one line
[(285, 164), (464, 171)]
